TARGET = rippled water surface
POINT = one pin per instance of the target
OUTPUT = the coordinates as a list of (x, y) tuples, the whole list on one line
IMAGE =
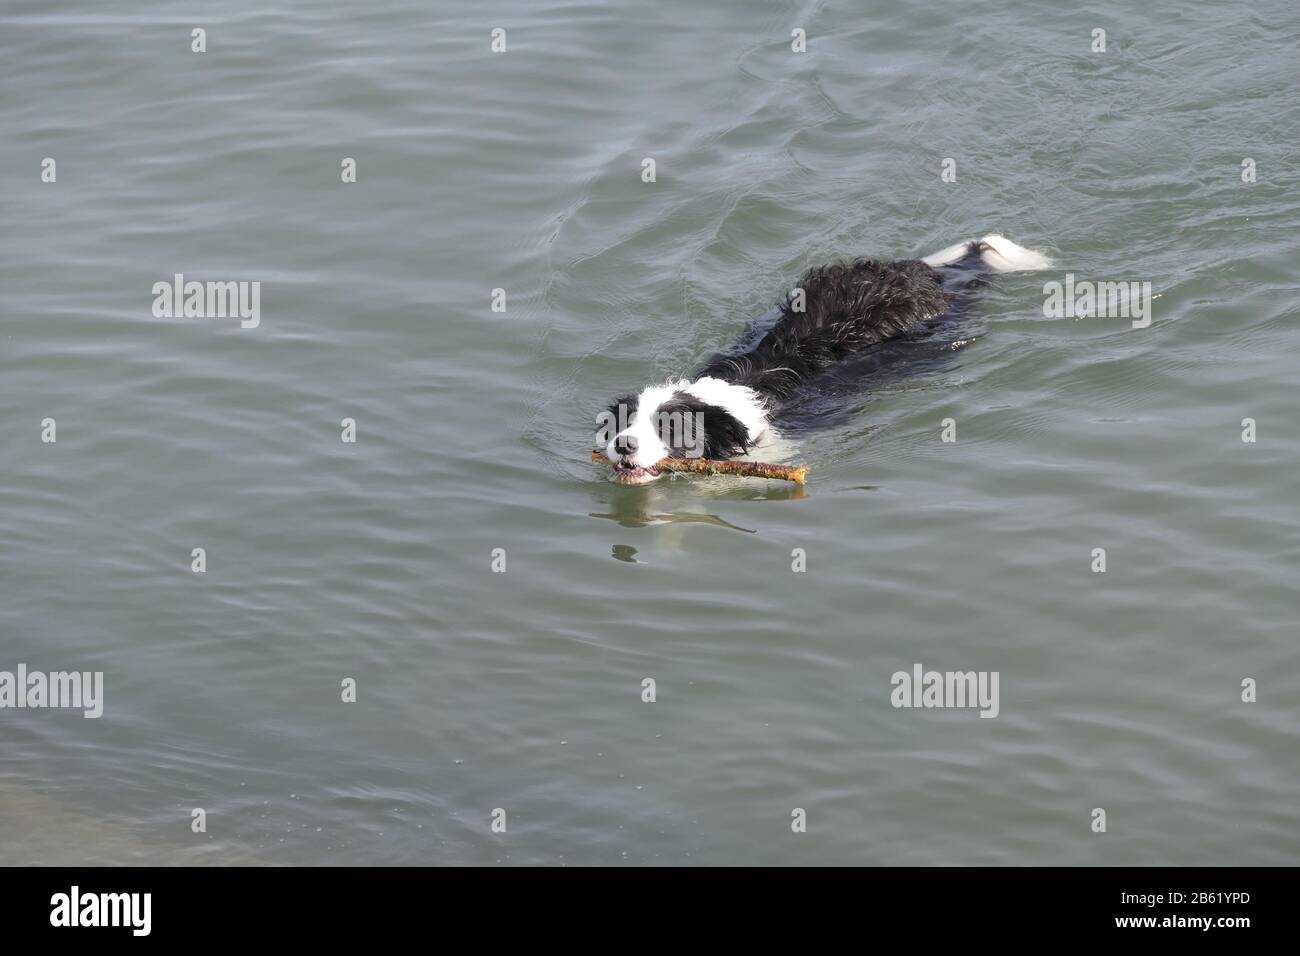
[(522, 690)]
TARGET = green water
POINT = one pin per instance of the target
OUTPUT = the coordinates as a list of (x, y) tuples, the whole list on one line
[(522, 690)]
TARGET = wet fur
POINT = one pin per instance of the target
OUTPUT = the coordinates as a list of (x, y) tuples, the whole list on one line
[(849, 307)]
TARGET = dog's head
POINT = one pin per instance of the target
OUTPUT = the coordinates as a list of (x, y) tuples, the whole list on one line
[(702, 419)]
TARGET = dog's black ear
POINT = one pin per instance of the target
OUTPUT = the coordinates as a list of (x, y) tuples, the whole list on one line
[(723, 435)]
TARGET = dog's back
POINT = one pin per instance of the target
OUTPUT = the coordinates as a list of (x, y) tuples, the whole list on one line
[(841, 309)]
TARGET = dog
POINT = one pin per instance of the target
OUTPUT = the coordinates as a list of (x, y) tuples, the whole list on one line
[(837, 311)]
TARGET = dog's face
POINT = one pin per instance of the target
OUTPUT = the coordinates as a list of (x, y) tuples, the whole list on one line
[(668, 421)]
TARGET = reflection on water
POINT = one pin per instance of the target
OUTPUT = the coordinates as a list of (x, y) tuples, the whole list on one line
[(637, 518), (640, 506)]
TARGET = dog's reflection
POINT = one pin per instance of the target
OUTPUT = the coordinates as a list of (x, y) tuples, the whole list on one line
[(641, 506)]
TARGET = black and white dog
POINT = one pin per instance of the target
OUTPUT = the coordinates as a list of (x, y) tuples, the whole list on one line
[(836, 312)]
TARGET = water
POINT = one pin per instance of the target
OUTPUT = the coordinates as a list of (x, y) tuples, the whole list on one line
[(522, 691)]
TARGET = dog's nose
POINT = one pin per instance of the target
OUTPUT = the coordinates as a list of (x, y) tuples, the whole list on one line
[(625, 445)]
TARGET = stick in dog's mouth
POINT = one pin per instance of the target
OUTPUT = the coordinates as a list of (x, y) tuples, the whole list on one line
[(748, 469)]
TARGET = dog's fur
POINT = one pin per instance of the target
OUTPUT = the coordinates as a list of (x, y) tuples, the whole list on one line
[(726, 409)]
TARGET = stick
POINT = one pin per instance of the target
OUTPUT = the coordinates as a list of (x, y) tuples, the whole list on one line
[(746, 469)]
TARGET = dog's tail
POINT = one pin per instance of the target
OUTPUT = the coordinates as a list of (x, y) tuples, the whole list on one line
[(993, 253)]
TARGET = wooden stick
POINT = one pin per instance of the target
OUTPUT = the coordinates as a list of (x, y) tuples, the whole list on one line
[(746, 469)]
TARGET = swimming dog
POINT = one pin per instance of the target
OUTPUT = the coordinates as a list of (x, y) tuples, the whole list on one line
[(837, 311)]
